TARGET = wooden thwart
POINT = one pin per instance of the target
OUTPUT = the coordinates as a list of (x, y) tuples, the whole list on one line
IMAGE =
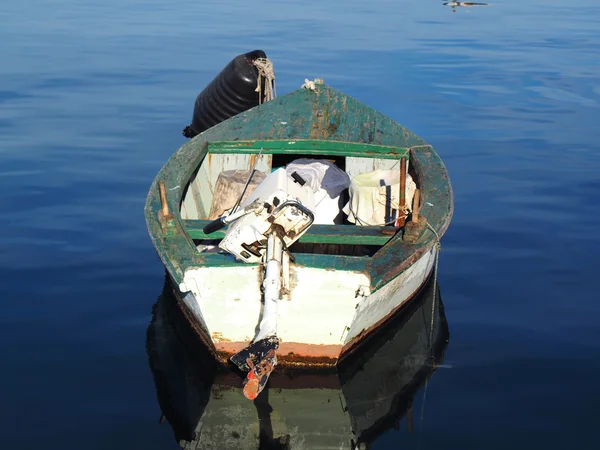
[(316, 234)]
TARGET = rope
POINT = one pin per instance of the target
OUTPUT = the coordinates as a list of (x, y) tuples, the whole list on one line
[(310, 85), (265, 70), (438, 247)]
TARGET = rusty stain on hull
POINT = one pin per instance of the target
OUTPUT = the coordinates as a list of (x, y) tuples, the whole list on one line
[(290, 354)]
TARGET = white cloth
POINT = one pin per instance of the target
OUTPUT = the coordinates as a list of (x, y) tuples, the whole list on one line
[(374, 197), (320, 173), (327, 182)]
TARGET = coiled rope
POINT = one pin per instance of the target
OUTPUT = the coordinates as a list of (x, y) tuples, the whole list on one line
[(265, 71)]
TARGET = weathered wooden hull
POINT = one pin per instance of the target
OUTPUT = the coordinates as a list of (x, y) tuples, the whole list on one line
[(311, 335)]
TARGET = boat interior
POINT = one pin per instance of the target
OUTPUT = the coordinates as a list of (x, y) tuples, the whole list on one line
[(332, 233)]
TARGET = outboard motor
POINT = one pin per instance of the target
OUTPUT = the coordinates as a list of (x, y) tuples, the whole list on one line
[(275, 215), (231, 92)]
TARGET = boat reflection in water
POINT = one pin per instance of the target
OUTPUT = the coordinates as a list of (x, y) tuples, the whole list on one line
[(369, 393)]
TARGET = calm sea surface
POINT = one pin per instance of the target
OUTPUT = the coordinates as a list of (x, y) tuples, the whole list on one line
[(93, 98)]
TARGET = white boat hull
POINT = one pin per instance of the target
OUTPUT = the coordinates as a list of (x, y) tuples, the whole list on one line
[(326, 314)]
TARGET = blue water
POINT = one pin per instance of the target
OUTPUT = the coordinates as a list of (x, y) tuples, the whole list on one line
[(93, 97)]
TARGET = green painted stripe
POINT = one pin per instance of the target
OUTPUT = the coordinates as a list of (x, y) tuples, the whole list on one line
[(309, 147), (317, 234), (332, 262), (347, 234), (327, 262), (210, 259)]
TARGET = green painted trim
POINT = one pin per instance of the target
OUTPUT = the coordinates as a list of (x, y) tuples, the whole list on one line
[(316, 234), (309, 147), (332, 262), (326, 262), (210, 259)]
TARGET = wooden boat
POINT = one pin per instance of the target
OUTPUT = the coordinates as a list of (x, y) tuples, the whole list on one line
[(335, 283), (368, 394)]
